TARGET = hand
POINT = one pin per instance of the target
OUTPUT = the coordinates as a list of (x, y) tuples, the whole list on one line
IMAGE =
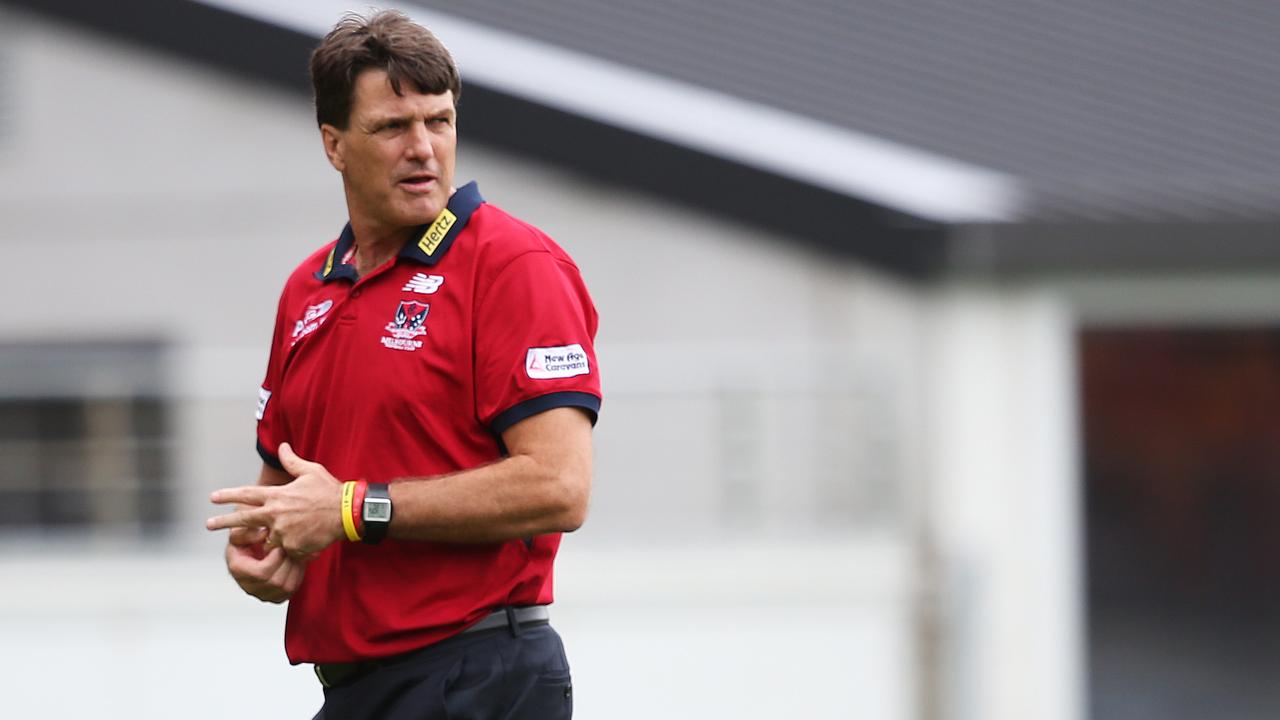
[(303, 516), (271, 576)]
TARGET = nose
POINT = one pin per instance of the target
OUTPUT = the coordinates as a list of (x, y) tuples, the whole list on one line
[(418, 142)]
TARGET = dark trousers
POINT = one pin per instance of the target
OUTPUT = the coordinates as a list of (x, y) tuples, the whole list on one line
[(477, 676)]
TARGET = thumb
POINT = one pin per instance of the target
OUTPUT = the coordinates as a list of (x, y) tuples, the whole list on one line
[(292, 463)]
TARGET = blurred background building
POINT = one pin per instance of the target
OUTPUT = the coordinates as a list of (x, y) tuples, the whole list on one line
[(939, 342)]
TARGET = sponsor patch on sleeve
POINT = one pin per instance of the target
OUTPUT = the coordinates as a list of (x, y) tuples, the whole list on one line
[(263, 396), (556, 362)]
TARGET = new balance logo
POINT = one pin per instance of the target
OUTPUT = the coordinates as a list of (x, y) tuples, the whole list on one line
[(424, 284)]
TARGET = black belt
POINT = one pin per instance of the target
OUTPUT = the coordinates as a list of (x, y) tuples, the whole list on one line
[(335, 674)]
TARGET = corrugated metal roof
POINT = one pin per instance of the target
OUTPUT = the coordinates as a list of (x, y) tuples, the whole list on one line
[(1131, 149), (1165, 109)]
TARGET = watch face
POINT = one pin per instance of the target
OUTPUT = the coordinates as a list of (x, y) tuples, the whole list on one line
[(377, 510)]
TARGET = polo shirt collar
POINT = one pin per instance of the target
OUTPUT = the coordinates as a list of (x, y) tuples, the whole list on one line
[(426, 244)]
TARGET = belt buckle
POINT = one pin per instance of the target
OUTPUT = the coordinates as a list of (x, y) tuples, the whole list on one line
[(320, 676)]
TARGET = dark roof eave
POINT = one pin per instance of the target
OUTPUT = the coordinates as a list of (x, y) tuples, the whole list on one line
[(1036, 248)]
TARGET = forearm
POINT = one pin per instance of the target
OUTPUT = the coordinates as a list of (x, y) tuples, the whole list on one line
[(516, 497), (272, 476)]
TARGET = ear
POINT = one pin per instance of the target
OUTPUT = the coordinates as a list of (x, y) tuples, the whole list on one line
[(333, 146)]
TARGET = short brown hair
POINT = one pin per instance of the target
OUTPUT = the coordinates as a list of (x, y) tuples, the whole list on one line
[(388, 41)]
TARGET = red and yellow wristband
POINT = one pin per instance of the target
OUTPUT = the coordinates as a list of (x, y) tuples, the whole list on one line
[(353, 492), (357, 507)]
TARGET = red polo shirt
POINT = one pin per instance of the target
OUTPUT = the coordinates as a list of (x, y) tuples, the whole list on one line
[(415, 370)]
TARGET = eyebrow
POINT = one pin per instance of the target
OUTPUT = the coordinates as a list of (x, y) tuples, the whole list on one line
[(378, 123), (385, 120)]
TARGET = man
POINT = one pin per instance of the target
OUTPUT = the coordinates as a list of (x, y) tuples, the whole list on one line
[(432, 381)]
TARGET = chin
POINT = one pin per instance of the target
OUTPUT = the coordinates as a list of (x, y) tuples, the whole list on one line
[(430, 208), (412, 217)]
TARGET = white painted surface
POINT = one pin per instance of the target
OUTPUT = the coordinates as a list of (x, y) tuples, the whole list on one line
[(752, 631), (1006, 504), (1203, 299)]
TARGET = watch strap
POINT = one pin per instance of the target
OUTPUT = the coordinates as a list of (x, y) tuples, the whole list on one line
[(375, 528)]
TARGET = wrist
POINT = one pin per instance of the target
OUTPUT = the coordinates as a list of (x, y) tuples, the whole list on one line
[(349, 511), (357, 507)]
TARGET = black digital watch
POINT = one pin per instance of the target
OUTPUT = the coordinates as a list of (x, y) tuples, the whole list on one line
[(376, 513)]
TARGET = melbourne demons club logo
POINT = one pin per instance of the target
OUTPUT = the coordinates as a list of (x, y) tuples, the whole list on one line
[(409, 322), (410, 317)]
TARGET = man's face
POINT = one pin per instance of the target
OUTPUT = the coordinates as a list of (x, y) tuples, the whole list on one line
[(396, 155)]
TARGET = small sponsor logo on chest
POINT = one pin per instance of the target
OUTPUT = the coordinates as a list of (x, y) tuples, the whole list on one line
[(424, 284), (311, 320), (408, 323)]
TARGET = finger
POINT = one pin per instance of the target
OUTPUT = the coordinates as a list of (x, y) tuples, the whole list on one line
[(266, 592), (245, 536), (256, 517), (272, 596), (294, 578), (270, 564), (253, 575), (292, 462), (246, 495), (281, 575), (282, 583), (244, 564)]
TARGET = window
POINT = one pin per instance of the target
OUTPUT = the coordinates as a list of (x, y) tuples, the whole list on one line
[(85, 438)]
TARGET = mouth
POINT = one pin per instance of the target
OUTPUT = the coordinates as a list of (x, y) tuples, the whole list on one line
[(417, 182)]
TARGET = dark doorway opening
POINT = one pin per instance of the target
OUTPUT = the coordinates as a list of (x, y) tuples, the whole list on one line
[(1182, 483)]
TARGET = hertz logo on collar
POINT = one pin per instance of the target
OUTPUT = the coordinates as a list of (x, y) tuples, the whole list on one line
[(328, 263), (434, 235)]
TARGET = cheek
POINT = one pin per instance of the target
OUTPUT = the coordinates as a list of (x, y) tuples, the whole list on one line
[(380, 169), (445, 148)]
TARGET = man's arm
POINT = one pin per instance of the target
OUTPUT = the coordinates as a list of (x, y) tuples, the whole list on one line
[(542, 486)]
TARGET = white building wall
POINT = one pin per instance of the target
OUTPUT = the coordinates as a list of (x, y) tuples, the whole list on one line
[(1005, 503)]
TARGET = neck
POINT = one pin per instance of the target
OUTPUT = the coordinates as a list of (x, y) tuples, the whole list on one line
[(375, 244)]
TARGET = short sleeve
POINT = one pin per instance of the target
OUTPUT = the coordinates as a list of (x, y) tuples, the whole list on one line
[(535, 342), (269, 431)]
